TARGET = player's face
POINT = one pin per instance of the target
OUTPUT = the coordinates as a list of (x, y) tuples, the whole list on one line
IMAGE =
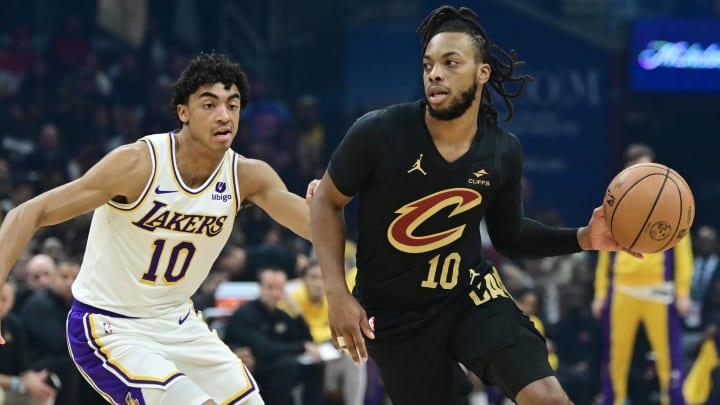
[(212, 114), (451, 75)]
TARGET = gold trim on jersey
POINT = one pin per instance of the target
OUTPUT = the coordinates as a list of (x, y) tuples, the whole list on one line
[(148, 187), (87, 377), (248, 387)]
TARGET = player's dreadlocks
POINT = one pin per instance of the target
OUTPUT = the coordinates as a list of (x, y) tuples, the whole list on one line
[(450, 19), (209, 68)]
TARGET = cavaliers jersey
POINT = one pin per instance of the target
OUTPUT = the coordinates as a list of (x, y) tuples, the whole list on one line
[(419, 215), (146, 257)]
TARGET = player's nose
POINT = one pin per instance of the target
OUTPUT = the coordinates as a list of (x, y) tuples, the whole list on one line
[(223, 114)]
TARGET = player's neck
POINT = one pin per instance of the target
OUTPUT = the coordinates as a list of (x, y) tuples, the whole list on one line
[(195, 161), (458, 130)]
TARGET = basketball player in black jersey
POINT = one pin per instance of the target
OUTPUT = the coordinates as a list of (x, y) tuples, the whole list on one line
[(426, 174)]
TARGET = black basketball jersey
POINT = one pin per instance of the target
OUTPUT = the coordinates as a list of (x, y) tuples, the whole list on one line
[(419, 215)]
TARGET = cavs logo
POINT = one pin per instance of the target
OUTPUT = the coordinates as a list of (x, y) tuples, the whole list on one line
[(401, 232), (660, 230)]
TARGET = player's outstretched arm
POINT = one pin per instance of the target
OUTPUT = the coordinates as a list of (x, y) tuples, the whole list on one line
[(123, 172), (261, 185)]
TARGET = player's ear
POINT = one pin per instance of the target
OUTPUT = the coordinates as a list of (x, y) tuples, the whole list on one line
[(182, 113), (483, 73)]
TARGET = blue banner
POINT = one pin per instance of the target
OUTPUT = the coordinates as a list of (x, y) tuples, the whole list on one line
[(675, 55)]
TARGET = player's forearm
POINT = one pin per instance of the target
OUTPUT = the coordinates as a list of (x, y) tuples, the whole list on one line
[(328, 235), (16, 231)]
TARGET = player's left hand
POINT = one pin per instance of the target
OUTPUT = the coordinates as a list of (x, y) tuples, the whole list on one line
[(312, 186), (596, 235)]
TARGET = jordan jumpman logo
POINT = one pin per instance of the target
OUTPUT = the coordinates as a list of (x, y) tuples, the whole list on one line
[(417, 166)]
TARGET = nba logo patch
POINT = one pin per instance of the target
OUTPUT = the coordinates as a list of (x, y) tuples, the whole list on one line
[(220, 187), (107, 328)]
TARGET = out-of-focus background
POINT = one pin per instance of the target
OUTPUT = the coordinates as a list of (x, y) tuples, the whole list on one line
[(80, 77)]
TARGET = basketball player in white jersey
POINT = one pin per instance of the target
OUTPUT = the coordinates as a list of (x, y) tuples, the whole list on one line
[(164, 208)]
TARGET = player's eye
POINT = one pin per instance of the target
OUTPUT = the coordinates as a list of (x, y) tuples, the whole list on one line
[(208, 106)]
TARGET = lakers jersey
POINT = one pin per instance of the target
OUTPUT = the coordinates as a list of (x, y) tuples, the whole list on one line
[(145, 257)]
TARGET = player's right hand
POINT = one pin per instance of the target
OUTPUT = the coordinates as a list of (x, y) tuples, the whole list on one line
[(348, 324)]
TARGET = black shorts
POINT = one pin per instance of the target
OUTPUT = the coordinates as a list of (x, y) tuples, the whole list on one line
[(494, 340)]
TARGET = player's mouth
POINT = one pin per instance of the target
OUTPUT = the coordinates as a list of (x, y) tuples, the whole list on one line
[(222, 134), (437, 94)]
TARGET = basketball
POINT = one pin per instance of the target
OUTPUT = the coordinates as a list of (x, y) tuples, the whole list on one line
[(649, 207)]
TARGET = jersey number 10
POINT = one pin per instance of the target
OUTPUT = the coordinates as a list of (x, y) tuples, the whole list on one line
[(170, 276), (448, 274)]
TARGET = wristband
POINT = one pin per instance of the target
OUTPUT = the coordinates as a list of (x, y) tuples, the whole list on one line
[(17, 386)]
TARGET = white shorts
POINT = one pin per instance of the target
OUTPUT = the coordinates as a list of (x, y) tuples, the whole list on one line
[(173, 359)]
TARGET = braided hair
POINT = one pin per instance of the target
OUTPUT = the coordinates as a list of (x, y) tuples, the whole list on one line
[(464, 20)]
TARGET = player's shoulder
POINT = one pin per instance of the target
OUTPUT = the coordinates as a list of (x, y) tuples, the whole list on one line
[(255, 175), (506, 140), (131, 155), (394, 112), (247, 165)]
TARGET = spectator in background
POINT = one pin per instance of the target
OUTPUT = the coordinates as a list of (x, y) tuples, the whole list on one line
[(342, 376), (702, 386), (276, 339), (705, 275), (39, 272), (577, 341), (653, 292), (16, 378), (44, 316), (205, 296)]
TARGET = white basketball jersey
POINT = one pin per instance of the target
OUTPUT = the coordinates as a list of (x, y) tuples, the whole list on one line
[(146, 257)]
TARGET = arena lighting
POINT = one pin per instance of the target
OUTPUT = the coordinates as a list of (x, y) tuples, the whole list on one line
[(679, 55)]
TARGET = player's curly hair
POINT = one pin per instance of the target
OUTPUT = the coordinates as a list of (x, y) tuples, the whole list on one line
[(209, 68), (464, 20)]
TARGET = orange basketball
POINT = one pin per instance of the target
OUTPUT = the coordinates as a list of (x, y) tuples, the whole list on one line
[(649, 207)]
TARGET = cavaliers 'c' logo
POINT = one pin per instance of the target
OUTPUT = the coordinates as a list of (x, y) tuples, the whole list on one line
[(401, 231)]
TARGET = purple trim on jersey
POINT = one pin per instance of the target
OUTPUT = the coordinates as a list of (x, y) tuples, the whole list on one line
[(669, 264), (148, 188), (236, 186), (95, 364), (676, 356), (80, 307), (242, 396), (178, 178), (86, 359)]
